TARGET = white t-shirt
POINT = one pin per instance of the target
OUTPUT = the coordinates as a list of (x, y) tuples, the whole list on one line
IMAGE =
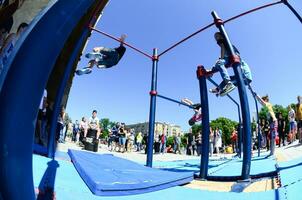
[(291, 115), (42, 100), (93, 122)]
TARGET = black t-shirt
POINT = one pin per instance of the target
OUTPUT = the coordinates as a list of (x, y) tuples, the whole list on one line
[(190, 138), (120, 50)]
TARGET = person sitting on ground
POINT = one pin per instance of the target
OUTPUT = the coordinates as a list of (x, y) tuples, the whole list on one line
[(228, 83), (197, 111), (104, 57)]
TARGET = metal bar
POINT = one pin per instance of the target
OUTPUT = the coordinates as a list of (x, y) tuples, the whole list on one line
[(125, 43), (247, 144), (292, 9), (185, 39), (257, 118), (204, 161), (239, 116), (60, 93), (152, 109), (175, 101), (251, 11), (228, 20)]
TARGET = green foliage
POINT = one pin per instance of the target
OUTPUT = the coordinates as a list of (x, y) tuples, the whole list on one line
[(183, 141), (196, 128), (105, 125), (170, 141), (226, 125)]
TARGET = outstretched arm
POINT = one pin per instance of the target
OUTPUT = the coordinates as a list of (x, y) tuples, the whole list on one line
[(259, 99)]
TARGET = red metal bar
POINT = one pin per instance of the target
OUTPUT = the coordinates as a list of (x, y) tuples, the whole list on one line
[(208, 26), (195, 33), (253, 10), (126, 44)]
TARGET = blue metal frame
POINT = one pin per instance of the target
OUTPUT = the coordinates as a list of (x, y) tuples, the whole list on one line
[(204, 162), (257, 119), (152, 109), (247, 144), (51, 147), (26, 76), (175, 101), (239, 116), (293, 10)]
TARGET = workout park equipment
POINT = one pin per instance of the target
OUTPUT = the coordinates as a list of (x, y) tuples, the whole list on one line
[(69, 25)]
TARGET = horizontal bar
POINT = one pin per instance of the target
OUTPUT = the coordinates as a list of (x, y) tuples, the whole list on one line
[(183, 40), (228, 20), (252, 10), (175, 101), (125, 43)]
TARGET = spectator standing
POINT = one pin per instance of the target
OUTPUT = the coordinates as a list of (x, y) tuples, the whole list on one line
[(139, 140), (163, 141), (299, 117), (211, 138), (291, 119), (234, 140), (281, 129), (190, 140)]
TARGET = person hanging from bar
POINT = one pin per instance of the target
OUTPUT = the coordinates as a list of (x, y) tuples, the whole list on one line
[(197, 111), (264, 101), (104, 57), (228, 83)]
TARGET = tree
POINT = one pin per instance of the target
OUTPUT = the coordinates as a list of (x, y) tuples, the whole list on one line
[(105, 124), (226, 125), (196, 128)]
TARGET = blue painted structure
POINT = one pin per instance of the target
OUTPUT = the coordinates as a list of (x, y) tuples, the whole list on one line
[(54, 26), (57, 105), (153, 93), (246, 121), (239, 117), (204, 162)]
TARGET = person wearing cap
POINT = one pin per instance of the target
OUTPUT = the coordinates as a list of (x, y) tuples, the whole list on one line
[(104, 57), (264, 101), (228, 83)]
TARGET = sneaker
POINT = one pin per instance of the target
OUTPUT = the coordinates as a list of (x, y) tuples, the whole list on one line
[(214, 90), (94, 56), (83, 71), (229, 87), (101, 66)]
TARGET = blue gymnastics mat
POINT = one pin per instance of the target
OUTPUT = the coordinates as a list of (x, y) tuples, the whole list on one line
[(107, 175), (70, 186), (290, 171)]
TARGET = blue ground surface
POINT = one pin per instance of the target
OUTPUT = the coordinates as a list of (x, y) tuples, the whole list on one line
[(221, 167), (69, 185)]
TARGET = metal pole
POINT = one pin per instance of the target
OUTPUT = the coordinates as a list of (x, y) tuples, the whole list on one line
[(175, 101), (292, 9), (235, 61), (257, 119), (153, 94), (204, 162), (59, 95), (239, 116)]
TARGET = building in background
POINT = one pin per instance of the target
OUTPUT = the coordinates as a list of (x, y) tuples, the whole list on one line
[(160, 127)]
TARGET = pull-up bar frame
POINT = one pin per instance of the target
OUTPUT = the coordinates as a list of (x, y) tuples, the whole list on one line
[(239, 116), (155, 59)]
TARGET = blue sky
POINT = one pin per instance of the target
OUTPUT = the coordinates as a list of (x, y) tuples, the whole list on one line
[(269, 41)]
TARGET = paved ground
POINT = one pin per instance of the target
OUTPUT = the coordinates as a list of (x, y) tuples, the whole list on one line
[(282, 154)]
